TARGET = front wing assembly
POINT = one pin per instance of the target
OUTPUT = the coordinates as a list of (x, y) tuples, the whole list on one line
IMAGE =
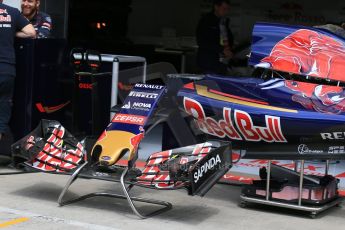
[(52, 149)]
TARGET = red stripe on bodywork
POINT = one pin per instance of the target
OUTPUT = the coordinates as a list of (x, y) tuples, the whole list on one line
[(189, 86)]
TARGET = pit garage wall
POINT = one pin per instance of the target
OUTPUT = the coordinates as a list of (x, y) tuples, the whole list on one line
[(149, 17), (13, 3)]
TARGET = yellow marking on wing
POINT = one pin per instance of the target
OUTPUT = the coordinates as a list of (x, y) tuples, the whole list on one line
[(202, 91)]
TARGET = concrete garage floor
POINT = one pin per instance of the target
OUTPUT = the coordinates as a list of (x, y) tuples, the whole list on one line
[(33, 197)]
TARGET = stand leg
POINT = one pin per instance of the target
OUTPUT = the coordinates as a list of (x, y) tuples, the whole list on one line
[(327, 168), (126, 196), (300, 193), (144, 72), (296, 166), (130, 200), (268, 180), (114, 85), (69, 183)]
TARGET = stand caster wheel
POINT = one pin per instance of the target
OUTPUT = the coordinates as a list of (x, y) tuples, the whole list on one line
[(313, 215), (338, 205), (243, 204)]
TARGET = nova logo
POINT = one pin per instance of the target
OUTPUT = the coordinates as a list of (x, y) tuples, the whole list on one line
[(137, 105), (240, 127), (209, 165), (141, 105), (127, 106)]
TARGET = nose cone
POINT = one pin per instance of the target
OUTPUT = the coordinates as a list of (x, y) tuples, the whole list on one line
[(113, 146)]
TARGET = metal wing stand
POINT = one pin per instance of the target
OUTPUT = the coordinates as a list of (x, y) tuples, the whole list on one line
[(86, 170), (313, 210)]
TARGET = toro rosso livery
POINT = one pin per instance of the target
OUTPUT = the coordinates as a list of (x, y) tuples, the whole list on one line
[(303, 103), (257, 111), (127, 126), (299, 50), (294, 109)]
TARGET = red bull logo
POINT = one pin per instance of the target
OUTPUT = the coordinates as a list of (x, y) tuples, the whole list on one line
[(135, 141), (309, 53), (239, 128)]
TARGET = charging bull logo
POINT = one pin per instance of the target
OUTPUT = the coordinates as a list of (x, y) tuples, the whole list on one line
[(135, 141), (322, 98), (310, 53)]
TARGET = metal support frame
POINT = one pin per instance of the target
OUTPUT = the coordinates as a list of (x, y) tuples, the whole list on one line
[(115, 60), (115, 77), (301, 178), (296, 166), (314, 210), (268, 180), (114, 84), (327, 167), (125, 196)]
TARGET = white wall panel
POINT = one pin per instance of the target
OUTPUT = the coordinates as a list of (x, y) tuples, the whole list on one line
[(14, 3)]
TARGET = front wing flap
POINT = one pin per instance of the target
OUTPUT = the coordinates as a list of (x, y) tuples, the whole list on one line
[(196, 168), (49, 148)]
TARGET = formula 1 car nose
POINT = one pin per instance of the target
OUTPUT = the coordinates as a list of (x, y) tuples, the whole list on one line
[(113, 147)]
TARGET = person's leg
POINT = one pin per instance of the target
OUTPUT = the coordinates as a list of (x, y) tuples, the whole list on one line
[(6, 93)]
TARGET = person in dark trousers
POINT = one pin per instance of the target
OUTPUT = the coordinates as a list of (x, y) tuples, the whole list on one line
[(215, 39), (12, 24), (41, 21)]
